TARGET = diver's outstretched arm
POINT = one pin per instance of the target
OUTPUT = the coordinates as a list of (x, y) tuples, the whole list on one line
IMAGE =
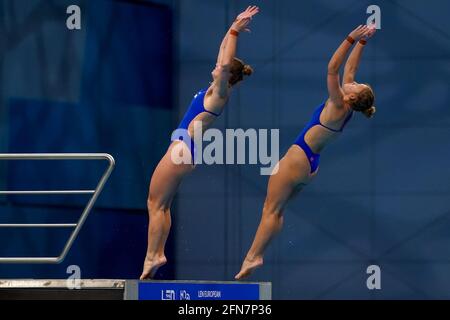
[(351, 66), (333, 84), (221, 73)]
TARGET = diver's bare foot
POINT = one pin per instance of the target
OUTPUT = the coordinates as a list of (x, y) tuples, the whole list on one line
[(151, 266), (248, 266)]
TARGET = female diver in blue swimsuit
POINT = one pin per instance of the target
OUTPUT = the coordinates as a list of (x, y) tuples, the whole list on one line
[(205, 107), (301, 162)]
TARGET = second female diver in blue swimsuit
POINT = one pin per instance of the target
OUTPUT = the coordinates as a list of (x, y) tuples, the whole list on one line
[(301, 162), (206, 106)]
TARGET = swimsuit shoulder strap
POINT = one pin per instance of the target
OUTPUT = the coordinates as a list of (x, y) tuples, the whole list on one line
[(317, 116), (334, 130), (203, 93)]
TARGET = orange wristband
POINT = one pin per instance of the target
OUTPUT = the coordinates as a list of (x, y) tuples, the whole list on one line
[(363, 42), (350, 39), (234, 32)]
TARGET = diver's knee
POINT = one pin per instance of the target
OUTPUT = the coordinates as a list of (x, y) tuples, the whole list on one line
[(271, 207), (155, 205)]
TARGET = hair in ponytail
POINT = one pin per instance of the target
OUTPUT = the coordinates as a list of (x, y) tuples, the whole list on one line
[(369, 112), (364, 102), (238, 70)]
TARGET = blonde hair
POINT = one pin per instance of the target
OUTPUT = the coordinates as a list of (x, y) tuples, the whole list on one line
[(364, 102), (369, 112)]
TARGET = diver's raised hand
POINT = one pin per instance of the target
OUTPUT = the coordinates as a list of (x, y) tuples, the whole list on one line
[(359, 32), (244, 19)]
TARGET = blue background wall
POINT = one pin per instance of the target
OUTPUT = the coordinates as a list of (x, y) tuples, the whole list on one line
[(105, 88), (382, 194)]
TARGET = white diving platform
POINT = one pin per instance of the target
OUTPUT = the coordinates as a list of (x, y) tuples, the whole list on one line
[(105, 289)]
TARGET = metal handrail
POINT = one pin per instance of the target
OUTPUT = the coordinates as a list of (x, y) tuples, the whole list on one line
[(39, 192), (38, 225), (77, 226)]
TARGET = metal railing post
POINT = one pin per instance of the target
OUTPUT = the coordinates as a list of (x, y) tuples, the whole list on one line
[(77, 226)]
